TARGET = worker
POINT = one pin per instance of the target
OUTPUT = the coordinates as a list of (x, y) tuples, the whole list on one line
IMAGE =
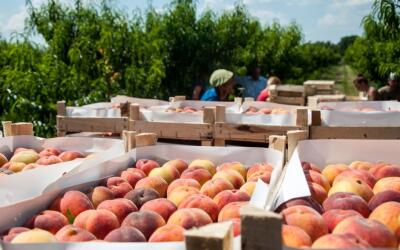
[(222, 82)]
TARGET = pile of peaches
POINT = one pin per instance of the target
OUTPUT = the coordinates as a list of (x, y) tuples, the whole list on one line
[(183, 110), (351, 206), (147, 202), (25, 159), (266, 111)]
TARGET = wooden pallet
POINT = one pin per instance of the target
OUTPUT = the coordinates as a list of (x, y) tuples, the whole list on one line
[(288, 94), (317, 131), (319, 87), (250, 132), (313, 101)]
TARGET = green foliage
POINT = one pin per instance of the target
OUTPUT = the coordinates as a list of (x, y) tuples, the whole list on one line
[(93, 52)]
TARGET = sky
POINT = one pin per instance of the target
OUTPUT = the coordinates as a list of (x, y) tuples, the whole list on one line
[(321, 20)]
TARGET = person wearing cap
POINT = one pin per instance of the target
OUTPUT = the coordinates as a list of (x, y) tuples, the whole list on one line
[(367, 92), (221, 82), (392, 90)]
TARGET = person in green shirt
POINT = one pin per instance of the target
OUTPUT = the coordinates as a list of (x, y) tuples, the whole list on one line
[(392, 90)]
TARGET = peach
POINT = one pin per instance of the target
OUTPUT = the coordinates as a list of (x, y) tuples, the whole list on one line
[(168, 233), (13, 232), (16, 166), (384, 170), (55, 205), (189, 217), (265, 111), (178, 164), (3, 159), (228, 196), (118, 186), (355, 186), (248, 188), (125, 234), (310, 166), (205, 164), (388, 214), (340, 241), (48, 160), (34, 236), (31, 166), (383, 197), (295, 237), (363, 165), (307, 219), (133, 175), (212, 187), (49, 151), (265, 176), (140, 196), (157, 183), (318, 193), (363, 175), (121, 207), (146, 221), (265, 167), (237, 166), (183, 182), (168, 173), (232, 176), (318, 178), (28, 156), (70, 155), (231, 211), (197, 173), (49, 220), (98, 222), (203, 202), (180, 193), (146, 165), (331, 171), (388, 183), (100, 194), (305, 201), (70, 233), (162, 206), (17, 150), (334, 216), (373, 232), (347, 201), (74, 203)]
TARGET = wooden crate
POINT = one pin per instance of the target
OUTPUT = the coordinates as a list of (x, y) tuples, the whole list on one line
[(317, 131), (313, 101), (251, 132), (319, 87), (288, 94)]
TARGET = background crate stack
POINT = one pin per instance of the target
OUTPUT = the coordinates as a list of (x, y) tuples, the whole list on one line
[(319, 87), (288, 94)]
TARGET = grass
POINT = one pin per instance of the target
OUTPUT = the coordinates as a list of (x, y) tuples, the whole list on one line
[(343, 75)]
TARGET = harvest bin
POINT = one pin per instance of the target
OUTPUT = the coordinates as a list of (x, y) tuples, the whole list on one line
[(87, 176)]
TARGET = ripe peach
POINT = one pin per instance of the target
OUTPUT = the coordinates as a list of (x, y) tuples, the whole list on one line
[(265, 176), (310, 166), (140, 196), (228, 196), (265, 111), (70, 155), (70, 233), (232, 176), (385, 170), (318, 193), (162, 206), (383, 197), (98, 222), (180, 193), (168, 233), (318, 178), (178, 164), (118, 186), (307, 219), (48, 160), (363, 165), (265, 167), (355, 186), (146, 165), (189, 217), (183, 182), (157, 183), (347, 201), (146, 221), (248, 188), (388, 183), (13, 232), (133, 175), (340, 241), (334, 216), (3, 159), (212, 187), (203, 202), (168, 173), (125, 234), (28, 156), (49, 151), (55, 205), (31, 166), (373, 232), (388, 214), (48, 220), (205, 164), (121, 207), (305, 201), (199, 174), (331, 171), (100, 194), (231, 211), (363, 175), (295, 237), (237, 166), (74, 203), (34, 236), (16, 166), (17, 150)]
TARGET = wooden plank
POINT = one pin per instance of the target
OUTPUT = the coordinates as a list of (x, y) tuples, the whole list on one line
[(22, 128), (61, 108), (293, 138), (321, 132), (129, 140), (207, 143), (6, 128), (145, 139), (278, 142), (134, 111), (300, 101), (315, 117), (216, 236), (91, 124), (302, 117), (219, 114), (313, 101), (209, 115)]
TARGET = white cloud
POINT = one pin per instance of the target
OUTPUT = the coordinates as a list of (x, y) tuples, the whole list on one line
[(342, 3), (16, 22)]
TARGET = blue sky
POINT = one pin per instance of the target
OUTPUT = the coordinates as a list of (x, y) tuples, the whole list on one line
[(321, 20)]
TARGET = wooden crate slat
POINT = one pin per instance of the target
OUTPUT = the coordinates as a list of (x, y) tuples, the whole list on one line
[(288, 100), (321, 132), (91, 124)]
